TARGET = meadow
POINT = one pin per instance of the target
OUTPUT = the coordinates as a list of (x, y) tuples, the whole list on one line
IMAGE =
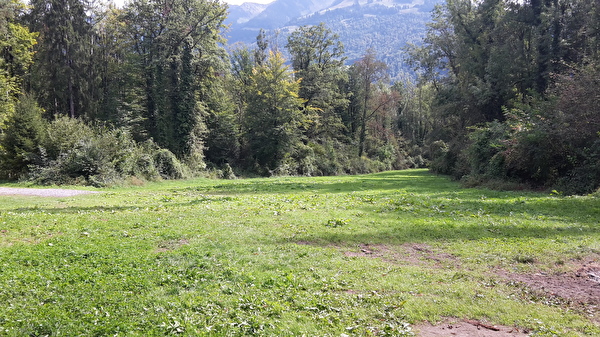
[(317, 256)]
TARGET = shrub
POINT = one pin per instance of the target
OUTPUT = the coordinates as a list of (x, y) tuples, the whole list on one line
[(485, 151), (87, 156), (168, 166), (227, 172), (20, 144), (442, 159), (100, 156), (584, 178)]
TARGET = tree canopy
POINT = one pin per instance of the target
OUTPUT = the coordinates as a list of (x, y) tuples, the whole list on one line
[(502, 90)]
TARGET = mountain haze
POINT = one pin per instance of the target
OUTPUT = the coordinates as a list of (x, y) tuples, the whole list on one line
[(245, 12), (384, 25)]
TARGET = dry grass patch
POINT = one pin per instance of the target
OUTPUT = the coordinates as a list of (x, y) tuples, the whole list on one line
[(171, 245)]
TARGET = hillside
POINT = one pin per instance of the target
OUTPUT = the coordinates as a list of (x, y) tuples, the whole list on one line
[(385, 25)]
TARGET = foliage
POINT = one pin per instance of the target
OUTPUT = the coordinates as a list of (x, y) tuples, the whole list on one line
[(176, 52), (156, 72), (556, 140), (514, 88), (368, 73), (61, 74), (23, 135), (75, 153), (273, 116), (16, 55)]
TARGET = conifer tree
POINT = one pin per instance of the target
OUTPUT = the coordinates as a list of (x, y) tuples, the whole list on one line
[(60, 76)]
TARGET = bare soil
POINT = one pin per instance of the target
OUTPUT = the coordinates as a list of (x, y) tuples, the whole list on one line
[(39, 192), (576, 285), (409, 253), (466, 328), (580, 285)]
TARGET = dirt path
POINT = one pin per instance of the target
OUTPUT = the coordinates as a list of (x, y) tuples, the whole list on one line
[(39, 192)]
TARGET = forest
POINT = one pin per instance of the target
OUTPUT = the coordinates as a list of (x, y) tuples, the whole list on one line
[(504, 93)]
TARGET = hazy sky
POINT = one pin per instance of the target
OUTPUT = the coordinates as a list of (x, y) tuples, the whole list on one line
[(239, 2), (231, 2)]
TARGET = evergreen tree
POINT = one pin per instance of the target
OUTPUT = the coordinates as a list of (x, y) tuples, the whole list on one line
[(61, 74), (20, 144)]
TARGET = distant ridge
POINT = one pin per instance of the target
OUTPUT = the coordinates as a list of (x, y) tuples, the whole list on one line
[(385, 25)]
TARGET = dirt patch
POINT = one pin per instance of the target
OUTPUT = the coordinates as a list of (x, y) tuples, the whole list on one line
[(466, 328), (419, 253), (577, 287), (39, 192), (367, 250), (170, 245), (410, 253)]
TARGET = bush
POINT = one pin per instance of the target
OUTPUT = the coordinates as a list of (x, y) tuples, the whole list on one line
[(486, 150), (442, 159), (100, 156), (20, 144), (583, 179), (227, 172), (168, 166), (74, 153)]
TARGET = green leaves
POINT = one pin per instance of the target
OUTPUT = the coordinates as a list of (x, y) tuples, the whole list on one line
[(273, 113)]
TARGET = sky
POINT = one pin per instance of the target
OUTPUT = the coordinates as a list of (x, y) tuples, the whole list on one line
[(231, 2), (239, 2)]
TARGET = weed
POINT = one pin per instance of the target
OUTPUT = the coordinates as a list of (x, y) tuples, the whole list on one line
[(268, 257)]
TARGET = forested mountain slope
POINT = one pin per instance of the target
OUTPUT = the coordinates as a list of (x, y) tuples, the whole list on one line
[(384, 25)]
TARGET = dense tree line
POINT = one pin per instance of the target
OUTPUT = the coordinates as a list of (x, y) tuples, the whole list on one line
[(507, 94), (516, 92), (99, 95)]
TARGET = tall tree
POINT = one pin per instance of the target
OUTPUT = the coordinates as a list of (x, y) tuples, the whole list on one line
[(318, 60), (63, 57), (262, 45), (367, 72), (273, 115), (177, 51), (16, 53)]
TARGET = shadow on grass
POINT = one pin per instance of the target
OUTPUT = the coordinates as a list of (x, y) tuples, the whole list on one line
[(398, 196), (436, 232), (419, 180)]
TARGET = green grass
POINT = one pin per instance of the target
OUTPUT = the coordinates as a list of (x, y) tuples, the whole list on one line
[(281, 257)]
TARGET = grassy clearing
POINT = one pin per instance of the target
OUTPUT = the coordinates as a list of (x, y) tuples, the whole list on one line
[(355, 255)]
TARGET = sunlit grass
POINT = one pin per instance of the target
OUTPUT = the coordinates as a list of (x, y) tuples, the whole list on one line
[(282, 256)]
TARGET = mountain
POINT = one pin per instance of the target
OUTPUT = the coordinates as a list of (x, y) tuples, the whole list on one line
[(240, 14), (384, 25)]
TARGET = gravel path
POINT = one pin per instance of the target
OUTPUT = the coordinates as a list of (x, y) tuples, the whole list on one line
[(39, 192)]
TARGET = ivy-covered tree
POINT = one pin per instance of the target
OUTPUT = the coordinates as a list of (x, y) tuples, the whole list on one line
[(16, 55), (176, 49)]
